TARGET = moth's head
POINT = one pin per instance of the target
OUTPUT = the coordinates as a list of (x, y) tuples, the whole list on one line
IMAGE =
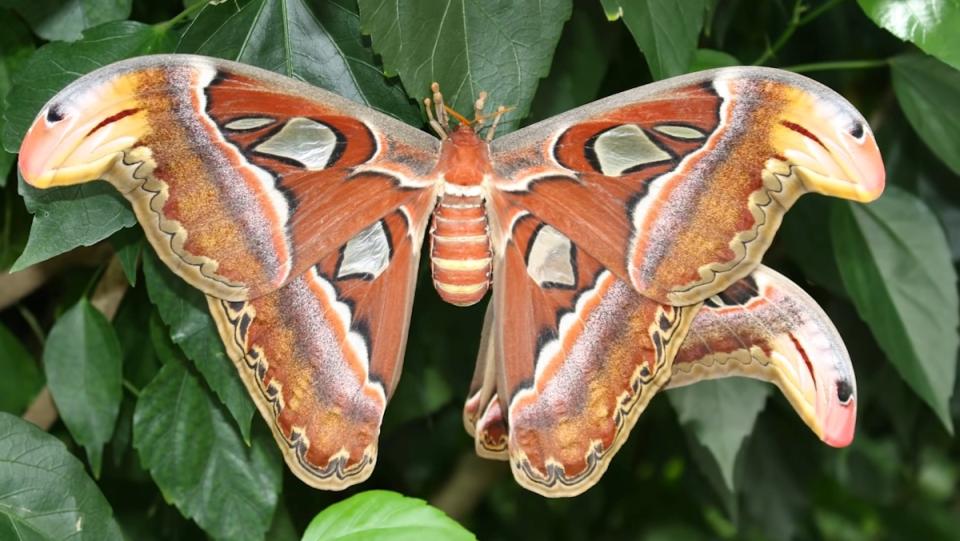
[(83, 130), (826, 140)]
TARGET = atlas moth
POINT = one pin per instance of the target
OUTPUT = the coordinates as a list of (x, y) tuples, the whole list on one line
[(622, 241)]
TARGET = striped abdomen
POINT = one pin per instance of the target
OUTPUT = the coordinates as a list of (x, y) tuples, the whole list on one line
[(460, 255)]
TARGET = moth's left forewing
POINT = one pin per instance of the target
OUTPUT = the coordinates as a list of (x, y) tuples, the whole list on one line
[(678, 187), (241, 178), (321, 356), (579, 355)]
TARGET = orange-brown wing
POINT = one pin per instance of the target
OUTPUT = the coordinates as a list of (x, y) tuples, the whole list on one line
[(578, 354), (321, 356), (678, 187), (242, 179), (765, 327)]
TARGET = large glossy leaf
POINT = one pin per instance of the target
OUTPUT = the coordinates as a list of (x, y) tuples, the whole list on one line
[(45, 492), (721, 414), (927, 91), (184, 310), (65, 20), (200, 462), (380, 514), (500, 47), (665, 30), (931, 24), (318, 42), (21, 378), (16, 44), (83, 364), (895, 262)]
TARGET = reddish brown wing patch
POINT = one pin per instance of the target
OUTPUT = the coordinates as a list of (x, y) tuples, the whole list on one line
[(593, 191), (329, 204)]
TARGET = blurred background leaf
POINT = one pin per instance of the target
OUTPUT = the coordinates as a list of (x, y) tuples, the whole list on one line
[(895, 262), (927, 90), (65, 20)]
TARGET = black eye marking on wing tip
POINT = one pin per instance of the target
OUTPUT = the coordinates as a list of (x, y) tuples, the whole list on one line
[(844, 391), (857, 130), (54, 114)]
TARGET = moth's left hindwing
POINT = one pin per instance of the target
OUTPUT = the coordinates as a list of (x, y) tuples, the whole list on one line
[(579, 354)]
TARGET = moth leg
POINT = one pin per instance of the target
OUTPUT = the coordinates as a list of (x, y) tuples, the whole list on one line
[(437, 127), (496, 120)]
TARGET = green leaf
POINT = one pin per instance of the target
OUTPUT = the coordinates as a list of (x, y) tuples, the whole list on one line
[(927, 91), (128, 243), (774, 478), (282, 527), (503, 48), (721, 414), (318, 42), (71, 216), (665, 30), (576, 75), (895, 262), (55, 65), (14, 225), (931, 24), (83, 364), (16, 45), (431, 393), (200, 462), (184, 310), (65, 20), (705, 59), (21, 379), (45, 492), (381, 514), (133, 323)]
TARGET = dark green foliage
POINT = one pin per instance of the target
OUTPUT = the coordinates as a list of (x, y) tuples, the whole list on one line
[(170, 434)]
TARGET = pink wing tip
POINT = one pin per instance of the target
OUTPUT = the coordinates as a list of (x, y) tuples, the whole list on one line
[(839, 423), (873, 174)]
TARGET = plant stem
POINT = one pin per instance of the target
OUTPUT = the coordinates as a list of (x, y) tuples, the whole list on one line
[(185, 14), (796, 21), (131, 388), (32, 322), (818, 11), (839, 65)]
